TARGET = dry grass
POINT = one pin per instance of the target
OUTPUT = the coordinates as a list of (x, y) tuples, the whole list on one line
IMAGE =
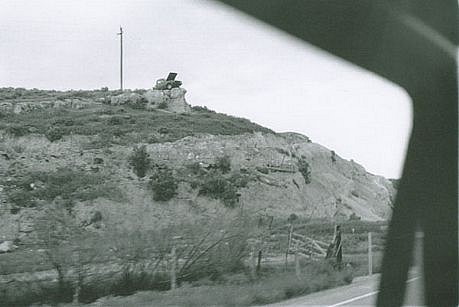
[(276, 287)]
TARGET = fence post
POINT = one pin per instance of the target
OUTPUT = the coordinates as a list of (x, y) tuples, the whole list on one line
[(288, 245), (370, 255), (297, 265), (260, 255), (252, 263), (173, 276)]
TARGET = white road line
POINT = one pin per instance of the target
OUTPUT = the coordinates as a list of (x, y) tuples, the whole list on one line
[(364, 295)]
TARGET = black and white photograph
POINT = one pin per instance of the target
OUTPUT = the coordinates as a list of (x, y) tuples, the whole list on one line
[(228, 153)]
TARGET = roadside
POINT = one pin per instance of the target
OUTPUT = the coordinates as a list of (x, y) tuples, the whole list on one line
[(362, 292)]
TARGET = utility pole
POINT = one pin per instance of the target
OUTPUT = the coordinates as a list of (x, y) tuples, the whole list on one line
[(121, 57)]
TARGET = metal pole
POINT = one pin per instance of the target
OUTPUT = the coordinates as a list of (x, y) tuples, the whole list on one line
[(370, 255), (121, 57)]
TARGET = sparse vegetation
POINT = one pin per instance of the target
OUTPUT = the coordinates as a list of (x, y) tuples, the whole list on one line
[(223, 164), (115, 120), (218, 187), (140, 103), (54, 133), (140, 161), (333, 156), (163, 184), (304, 169), (272, 287), (203, 109), (16, 130), (27, 189), (88, 121), (162, 105)]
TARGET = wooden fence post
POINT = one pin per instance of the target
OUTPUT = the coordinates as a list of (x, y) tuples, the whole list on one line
[(370, 255), (288, 245), (260, 254), (297, 265), (252, 263)]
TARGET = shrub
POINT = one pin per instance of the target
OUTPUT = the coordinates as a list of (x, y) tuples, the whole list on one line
[(163, 184), (139, 104), (65, 183), (293, 217), (201, 109), (223, 164), (220, 188), (140, 161), (333, 156), (21, 199), (64, 122), (54, 133), (304, 169), (240, 180), (162, 105), (354, 217), (115, 120), (130, 282), (17, 130)]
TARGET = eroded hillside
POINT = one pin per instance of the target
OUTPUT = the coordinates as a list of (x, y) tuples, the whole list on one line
[(79, 156)]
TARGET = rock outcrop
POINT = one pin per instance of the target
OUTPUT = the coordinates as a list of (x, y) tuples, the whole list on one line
[(172, 100), (338, 189)]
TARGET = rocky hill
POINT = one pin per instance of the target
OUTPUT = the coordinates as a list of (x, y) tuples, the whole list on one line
[(73, 149)]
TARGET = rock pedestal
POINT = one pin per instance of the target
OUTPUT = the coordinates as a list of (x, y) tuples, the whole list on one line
[(172, 100)]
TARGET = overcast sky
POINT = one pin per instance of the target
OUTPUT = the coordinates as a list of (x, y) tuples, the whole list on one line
[(226, 60)]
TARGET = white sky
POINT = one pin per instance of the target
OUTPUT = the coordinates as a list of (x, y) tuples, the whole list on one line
[(227, 61)]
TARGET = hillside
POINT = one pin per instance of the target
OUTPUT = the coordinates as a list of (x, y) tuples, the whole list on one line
[(78, 154)]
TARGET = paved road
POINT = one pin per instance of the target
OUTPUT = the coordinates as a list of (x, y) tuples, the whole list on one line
[(362, 292)]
